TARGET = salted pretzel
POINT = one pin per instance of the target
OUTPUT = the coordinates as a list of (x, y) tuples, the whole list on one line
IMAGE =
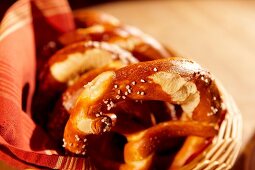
[(66, 66), (86, 56), (99, 26), (96, 26), (60, 114), (174, 80), (82, 20), (141, 111), (141, 45), (145, 114), (151, 115)]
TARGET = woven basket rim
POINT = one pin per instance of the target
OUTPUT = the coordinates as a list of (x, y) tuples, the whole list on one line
[(224, 149)]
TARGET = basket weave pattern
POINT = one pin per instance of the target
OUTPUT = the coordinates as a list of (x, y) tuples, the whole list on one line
[(223, 151)]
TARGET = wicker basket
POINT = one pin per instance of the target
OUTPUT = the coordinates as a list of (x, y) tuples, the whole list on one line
[(223, 151)]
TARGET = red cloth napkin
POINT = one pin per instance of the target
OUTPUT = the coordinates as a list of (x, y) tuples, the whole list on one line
[(26, 26)]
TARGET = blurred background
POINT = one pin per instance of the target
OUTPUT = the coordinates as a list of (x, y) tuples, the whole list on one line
[(220, 35)]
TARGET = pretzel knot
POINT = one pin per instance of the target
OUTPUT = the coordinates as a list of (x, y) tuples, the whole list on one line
[(176, 81)]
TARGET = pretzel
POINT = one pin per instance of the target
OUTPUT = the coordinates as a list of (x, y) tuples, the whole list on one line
[(66, 66), (82, 54), (146, 113), (83, 20), (150, 115), (175, 80), (98, 26), (144, 47), (60, 114), (132, 39)]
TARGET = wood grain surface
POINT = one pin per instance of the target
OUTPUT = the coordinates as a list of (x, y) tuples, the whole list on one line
[(220, 35)]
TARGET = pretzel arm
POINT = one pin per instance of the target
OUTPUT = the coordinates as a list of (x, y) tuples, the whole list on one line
[(60, 114), (191, 146), (141, 45), (157, 137), (174, 80)]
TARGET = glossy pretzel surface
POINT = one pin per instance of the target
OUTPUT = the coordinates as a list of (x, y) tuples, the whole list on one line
[(106, 104)]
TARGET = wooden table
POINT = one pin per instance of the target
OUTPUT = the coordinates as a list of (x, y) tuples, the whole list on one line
[(220, 35)]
